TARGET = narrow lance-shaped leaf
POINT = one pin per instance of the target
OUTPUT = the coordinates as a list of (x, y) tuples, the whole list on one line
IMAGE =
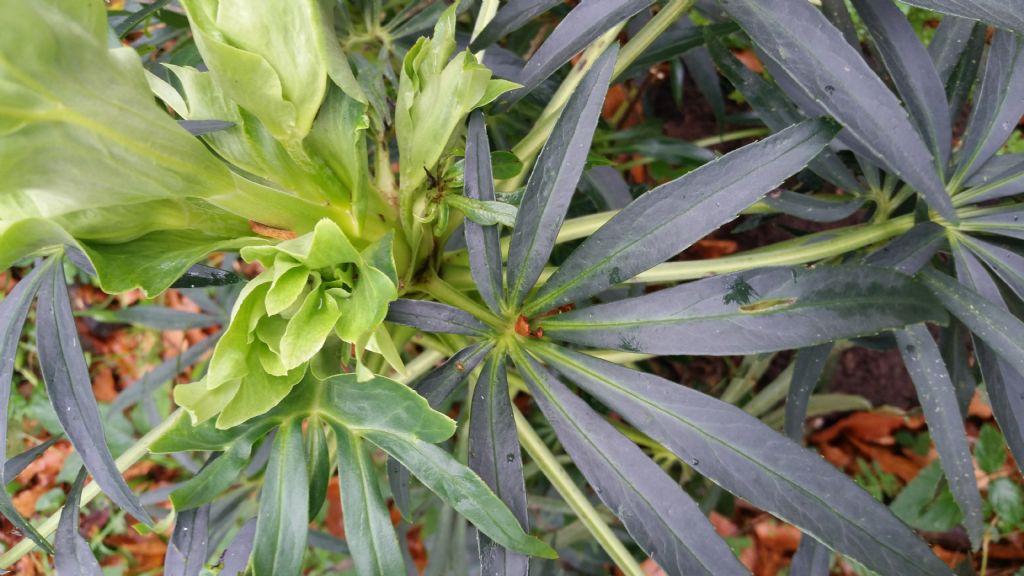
[(371, 537), (434, 317), (553, 180), (808, 207), (1008, 14), (666, 220), (460, 488), (189, 545), (912, 72), (73, 556), (839, 15), (13, 312), (1007, 264), (751, 312), (910, 252), (744, 456), (663, 519), (948, 44), (797, 37), (15, 464), (436, 387), (284, 506), (809, 365), (1003, 382), (482, 242), (236, 556), (989, 321), (584, 24), (945, 422), (960, 83), (495, 455), (998, 106), (318, 461), (777, 112), (812, 557), (511, 17), (70, 389)]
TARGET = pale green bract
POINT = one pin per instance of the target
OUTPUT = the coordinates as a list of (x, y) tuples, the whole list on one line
[(435, 95), (314, 288), (280, 78)]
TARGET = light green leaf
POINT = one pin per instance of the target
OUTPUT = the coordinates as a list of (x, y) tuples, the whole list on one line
[(257, 393), (365, 309), (990, 449), (308, 329), (484, 212), (462, 489), (382, 404), (266, 56), (289, 282)]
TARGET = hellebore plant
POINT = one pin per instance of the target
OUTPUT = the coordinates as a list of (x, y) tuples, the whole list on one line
[(280, 147)]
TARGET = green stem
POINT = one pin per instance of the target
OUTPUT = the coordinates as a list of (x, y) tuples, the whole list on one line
[(731, 136), (810, 248), (528, 148), (638, 44), (574, 497), (128, 459), (444, 293)]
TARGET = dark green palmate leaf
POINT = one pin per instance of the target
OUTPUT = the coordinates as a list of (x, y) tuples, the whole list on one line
[(666, 220), (318, 460), (754, 462), (461, 489), (434, 317), (512, 16), (912, 72), (909, 252), (945, 422), (482, 242), (1008, 14), (400, 422), (1007, 264), (553, 181), (201, 275), (999, 104), (1000, 177), (948, 44), (986, 318), (776, 111), (586, 22), (827, 71), (495, 455), (13, 312), (809, 365), (961, 80), (435, 387), (281, 526), (663, 519), (814, 209), (371, 538), (73, 556), (751, 312), (70, 390), (189, 545), (980, 298), (812, 557)]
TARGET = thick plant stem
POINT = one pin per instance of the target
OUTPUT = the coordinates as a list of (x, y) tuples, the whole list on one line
[(528, 148), (446, 294), (650, 32), (574, 497), (128, 459)]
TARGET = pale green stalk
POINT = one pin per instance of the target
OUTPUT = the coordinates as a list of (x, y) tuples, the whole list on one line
[(638, 44), (528, 148), (574, 497)]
